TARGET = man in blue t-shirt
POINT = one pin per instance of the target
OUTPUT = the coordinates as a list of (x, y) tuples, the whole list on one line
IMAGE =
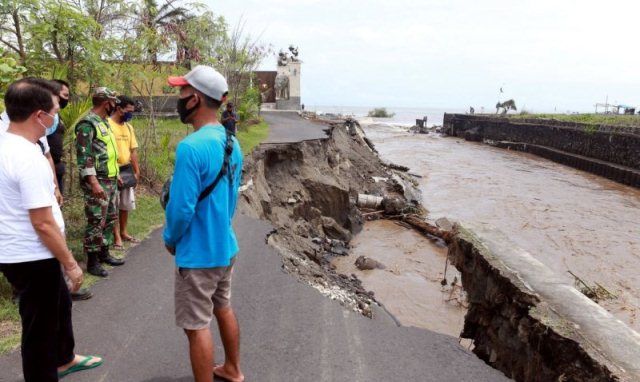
[(229, 119), (199, 232)]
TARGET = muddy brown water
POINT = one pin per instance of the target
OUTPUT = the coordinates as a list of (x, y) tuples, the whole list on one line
[(409, 286), (566, 218)]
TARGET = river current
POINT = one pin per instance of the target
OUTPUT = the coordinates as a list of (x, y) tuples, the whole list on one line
[(568, 219)]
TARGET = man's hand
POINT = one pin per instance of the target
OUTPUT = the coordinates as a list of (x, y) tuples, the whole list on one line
[(74, 273), (59, 197), (97, 191), (137, 176), (170, 249), (120, 181)]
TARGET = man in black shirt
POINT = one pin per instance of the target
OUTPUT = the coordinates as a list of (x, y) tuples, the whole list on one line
[(229, 119), (56, 140)]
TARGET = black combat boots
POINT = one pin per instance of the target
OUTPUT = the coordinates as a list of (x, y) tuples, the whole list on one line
[(106, 258), (93, 265)]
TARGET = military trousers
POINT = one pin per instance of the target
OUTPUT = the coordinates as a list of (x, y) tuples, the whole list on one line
[(101, 215)]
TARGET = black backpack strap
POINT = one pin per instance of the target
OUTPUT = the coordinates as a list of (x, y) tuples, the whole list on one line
[(224, 170), (41, 146)]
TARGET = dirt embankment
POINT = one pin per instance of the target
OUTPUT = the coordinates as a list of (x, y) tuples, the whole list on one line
[(308, 191)]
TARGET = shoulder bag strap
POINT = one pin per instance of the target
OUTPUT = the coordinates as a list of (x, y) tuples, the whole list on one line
[(224, 170)]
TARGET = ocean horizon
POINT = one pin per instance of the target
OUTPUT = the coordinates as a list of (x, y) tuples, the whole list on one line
[(402, 115)]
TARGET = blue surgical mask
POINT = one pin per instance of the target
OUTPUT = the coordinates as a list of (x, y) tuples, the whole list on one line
[(54, 127), (128, 116)]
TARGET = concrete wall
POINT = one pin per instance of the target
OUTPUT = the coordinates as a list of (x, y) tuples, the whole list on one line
[(527, 322), (613, 144)]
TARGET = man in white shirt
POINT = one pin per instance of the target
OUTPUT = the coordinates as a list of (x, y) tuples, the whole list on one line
[(44, 146), (33, 250), (82, 293)]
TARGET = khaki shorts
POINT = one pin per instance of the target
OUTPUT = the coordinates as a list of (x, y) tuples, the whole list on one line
[(198, 292), (126, 199)]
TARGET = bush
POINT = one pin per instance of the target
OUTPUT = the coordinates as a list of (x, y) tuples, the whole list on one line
[(249, 104), (380, 112)]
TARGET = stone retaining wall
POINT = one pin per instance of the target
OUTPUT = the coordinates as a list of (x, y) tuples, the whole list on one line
[(525, 321), (615, 144)]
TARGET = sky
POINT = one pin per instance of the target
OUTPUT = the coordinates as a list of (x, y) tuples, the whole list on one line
[(548, 55)]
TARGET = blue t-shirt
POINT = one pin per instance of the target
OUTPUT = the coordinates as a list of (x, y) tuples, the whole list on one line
[(201, 232)]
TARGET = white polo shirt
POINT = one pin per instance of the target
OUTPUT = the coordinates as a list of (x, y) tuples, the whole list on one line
[(26, 182)]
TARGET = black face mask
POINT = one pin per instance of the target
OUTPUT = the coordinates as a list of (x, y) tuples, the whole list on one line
[(63, 103), (183, 112), (110, 110)]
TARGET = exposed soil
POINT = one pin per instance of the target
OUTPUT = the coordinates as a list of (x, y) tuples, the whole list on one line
[(308, 191)]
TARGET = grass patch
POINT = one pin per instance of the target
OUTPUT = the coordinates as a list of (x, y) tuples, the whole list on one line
[(160, 157), (595, 119), (251, 136)]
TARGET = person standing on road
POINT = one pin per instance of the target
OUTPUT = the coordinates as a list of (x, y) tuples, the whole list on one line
[(98, 165), (51, 146), (34, 251), (199, 232), (127, 147), (229, 119)]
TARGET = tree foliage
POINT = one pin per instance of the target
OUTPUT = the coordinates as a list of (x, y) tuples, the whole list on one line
[(506, 106), (129, 45)]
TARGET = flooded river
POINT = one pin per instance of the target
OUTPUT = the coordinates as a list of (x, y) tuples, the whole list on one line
[(568, 219)]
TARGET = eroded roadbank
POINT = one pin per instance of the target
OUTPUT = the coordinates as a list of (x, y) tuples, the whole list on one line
[(308, 191)]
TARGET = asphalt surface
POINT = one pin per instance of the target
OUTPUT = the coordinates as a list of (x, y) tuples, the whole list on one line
[(289, 331), (288, 127)]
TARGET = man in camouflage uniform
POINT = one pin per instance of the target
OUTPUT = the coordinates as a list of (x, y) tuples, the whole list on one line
[(97, 162)]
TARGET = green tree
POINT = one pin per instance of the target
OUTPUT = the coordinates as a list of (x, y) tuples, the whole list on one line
[(154, 21), (9, 72), (506, 106), (13, 16)]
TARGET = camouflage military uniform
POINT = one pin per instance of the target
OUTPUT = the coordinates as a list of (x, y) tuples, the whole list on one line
[(96, 155)]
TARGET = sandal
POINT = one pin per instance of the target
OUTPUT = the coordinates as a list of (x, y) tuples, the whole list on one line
[(118, 247), (80, 366), (131, 239)]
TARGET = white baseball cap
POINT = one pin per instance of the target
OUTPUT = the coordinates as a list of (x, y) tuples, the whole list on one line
[(204, 79)]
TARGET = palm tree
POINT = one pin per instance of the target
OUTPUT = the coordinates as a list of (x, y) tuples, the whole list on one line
[(156, 18)]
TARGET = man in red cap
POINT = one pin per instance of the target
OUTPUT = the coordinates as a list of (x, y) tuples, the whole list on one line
[(198, 230)]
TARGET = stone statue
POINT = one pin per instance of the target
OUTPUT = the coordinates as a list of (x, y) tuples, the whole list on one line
[(294, 53), (283, 58), (282, 86)]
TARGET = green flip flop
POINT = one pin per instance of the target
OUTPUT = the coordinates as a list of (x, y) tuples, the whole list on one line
[(80, 366)]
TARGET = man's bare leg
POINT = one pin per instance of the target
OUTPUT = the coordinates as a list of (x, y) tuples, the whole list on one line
[(230, 335), (201, 354), (117, 240), (123, 220)]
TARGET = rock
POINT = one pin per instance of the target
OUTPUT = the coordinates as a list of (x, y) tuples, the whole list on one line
[(392, 206), (246, 186), (334, 230), (364, 263), (339, 248), (317, 240), (292, 201), (444, 224)]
